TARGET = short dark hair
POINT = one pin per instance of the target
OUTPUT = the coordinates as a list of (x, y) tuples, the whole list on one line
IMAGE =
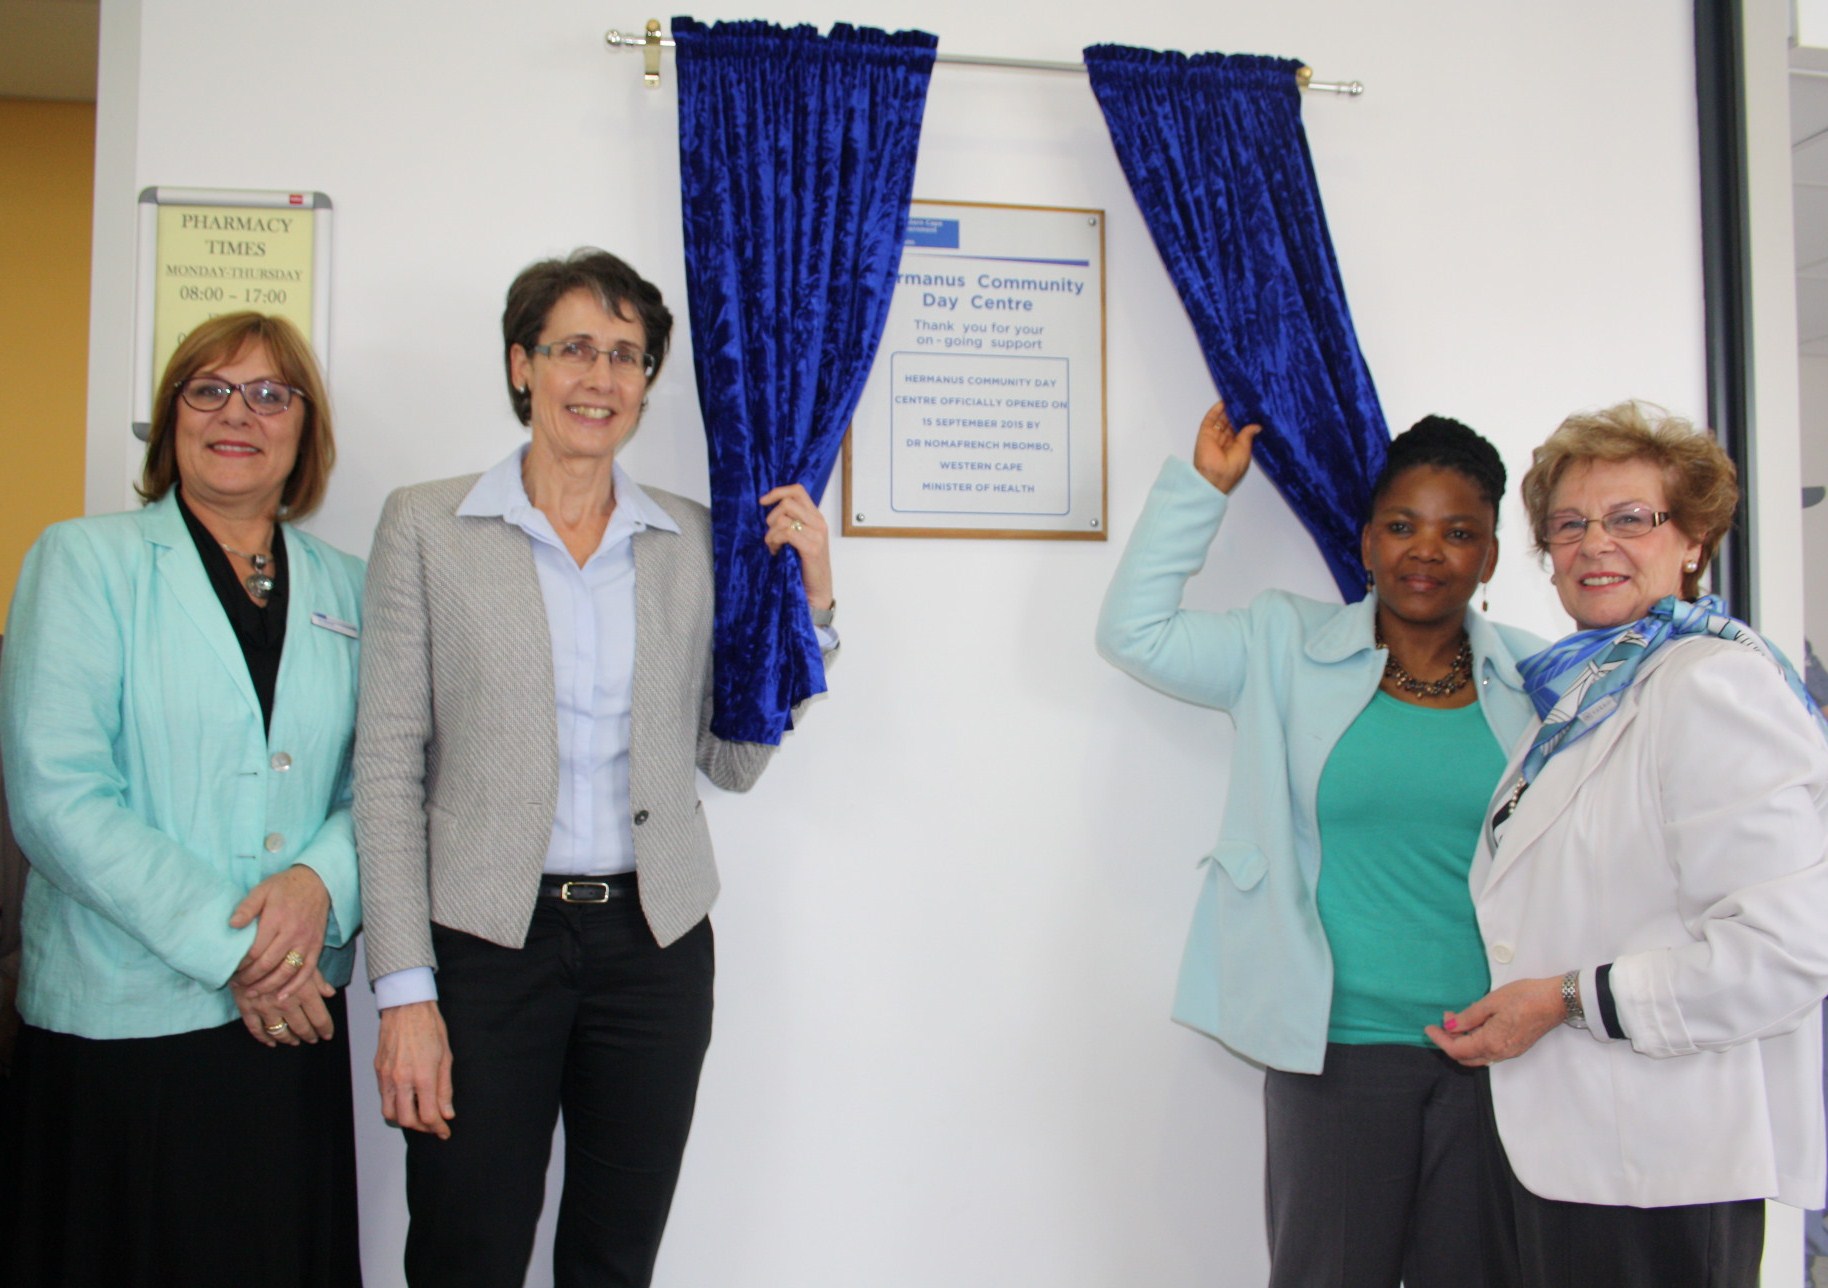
[(1446, 444), (218, 340), (617, 287)]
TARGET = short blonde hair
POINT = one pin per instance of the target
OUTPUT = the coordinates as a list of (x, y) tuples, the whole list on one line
[(219, 340), (1698, 477)]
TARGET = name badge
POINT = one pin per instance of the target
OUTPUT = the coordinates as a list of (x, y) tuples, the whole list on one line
[(336, 624)]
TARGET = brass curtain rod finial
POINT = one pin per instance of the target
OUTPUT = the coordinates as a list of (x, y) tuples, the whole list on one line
[(651, 52), (650, 43)]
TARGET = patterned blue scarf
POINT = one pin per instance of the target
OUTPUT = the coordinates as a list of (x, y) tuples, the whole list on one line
[(1577, 683)]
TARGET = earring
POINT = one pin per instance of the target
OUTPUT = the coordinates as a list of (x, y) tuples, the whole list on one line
[(1691, 566), (1370, 582), (1485, 596)]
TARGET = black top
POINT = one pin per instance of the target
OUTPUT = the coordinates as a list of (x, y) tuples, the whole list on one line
[(260, 629)]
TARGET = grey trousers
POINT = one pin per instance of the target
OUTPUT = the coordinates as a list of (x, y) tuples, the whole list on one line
[(1373, 1177)]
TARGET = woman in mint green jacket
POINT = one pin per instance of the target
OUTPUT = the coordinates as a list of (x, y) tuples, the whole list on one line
[(1334, 921), (177, 705)]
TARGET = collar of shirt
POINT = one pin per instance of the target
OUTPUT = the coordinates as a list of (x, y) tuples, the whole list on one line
[(500, 493)]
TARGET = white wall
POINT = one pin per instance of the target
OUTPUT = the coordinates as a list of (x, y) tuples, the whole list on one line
[(1776, 465), (1810, 20), (1813, 373), (953, 910), (1776, 459)]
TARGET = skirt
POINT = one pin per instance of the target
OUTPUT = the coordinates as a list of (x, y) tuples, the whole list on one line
[(198, 1160)]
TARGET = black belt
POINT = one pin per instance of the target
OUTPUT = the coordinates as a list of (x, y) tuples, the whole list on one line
[(619, 885)]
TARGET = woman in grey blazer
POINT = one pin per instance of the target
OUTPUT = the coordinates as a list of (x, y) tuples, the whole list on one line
[(535, 709)]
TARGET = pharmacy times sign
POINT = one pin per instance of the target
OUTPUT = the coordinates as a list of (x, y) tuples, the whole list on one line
[(984, 414), (207, 252)]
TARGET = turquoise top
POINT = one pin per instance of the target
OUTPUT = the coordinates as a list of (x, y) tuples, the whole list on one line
[(1401, 802), (1292, 673)]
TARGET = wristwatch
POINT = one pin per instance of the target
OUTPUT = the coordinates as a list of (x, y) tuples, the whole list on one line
[(1573, 1013)]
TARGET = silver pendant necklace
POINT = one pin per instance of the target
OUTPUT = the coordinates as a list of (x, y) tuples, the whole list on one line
[(260, 582)]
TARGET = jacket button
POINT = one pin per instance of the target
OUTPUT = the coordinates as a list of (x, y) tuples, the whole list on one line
[(280, 762), (275, 842), (1502, 954), (640, 817)]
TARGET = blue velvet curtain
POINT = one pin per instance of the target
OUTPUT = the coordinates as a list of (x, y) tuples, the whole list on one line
[(796, 160), (1216, 156)]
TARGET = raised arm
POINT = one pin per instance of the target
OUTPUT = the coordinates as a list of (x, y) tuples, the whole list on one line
[(1196, 656), (795, 523)]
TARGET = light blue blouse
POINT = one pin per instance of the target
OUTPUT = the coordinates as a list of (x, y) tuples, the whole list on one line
[(590, 615)]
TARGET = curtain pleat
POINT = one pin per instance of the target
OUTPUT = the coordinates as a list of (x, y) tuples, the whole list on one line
[(1215, 154), (796, 156)]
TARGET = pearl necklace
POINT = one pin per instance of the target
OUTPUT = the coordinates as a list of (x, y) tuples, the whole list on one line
[(1457, 677), (259, 583)]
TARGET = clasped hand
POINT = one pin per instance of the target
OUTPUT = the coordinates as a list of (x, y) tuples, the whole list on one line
[(1502, 1025), (277, 986), (299, 1018)]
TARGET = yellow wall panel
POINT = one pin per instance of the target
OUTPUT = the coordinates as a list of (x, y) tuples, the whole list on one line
[(47, 179)]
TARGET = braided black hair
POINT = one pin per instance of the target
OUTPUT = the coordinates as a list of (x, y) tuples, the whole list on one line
[(1447, 444)]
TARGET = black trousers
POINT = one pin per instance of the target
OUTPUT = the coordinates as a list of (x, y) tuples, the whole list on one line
[(1372, 1174), (1545, 1243), (590, 1018)]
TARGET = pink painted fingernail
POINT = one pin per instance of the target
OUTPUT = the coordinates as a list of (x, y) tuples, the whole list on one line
[(1450, 1024)]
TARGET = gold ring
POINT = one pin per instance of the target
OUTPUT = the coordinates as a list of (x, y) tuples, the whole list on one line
[(278, 1027), (797, 525), (295, 958)]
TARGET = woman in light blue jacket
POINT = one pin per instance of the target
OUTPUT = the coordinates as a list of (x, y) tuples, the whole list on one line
[(1369, 735), (177, 704)]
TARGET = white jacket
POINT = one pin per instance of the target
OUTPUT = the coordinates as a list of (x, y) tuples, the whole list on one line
[(1685, 840)]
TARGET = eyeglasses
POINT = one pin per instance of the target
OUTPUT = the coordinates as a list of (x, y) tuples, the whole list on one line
[(211, 393), (1625, 525), (624, 360)]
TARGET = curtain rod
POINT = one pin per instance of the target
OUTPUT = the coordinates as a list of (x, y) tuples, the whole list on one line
[(653, 40)]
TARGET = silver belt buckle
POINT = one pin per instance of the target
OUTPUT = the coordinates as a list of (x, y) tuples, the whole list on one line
[(600, 889)]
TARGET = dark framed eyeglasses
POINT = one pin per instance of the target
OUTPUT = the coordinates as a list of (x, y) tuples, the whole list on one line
[(211, 393), (1624, 525), (624, 360)]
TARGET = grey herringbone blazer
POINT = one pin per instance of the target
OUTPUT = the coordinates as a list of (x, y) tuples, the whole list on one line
[(456, 757)]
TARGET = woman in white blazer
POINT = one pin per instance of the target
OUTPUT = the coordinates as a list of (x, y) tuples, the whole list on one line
[(1652, 888), (177, 707)]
